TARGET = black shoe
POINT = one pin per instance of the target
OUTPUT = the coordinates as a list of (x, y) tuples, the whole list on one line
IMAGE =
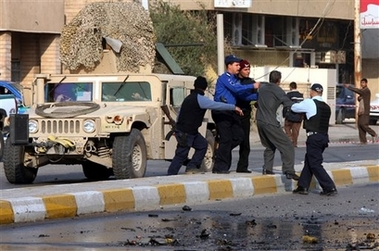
[(221, 172), (244, 171), (192, 171), (330, 192), (300, 190), (292, 176), (265, 171)]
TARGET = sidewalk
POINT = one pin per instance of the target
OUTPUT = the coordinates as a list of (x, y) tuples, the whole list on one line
[(69, 200), (346, 133), (60, 201)]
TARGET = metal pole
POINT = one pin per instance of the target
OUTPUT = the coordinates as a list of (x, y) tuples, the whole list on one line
[(357, 51), (357, 45), (220, 44)]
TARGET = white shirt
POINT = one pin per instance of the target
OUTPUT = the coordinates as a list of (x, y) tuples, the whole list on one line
[(307, 106)]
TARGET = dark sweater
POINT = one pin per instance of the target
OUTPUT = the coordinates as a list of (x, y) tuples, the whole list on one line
[(294, 96), (245, 105), (271, 96)]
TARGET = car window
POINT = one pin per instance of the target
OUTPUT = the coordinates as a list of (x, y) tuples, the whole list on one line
[(125, 91), (349, 94), (344, 93), (339, 91)]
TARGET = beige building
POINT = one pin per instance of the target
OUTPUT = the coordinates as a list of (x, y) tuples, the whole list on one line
[(284, 33)]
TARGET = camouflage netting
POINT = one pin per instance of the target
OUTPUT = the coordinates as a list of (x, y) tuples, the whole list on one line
[(81, 40)]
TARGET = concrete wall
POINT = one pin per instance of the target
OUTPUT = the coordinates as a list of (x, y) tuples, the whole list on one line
[(5, 55), (370, 70), (72, 7), (32, 16), (303, 77), (304, 8)]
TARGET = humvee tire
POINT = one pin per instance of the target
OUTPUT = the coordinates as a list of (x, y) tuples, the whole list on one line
[(94, 171), (15, 170), (129, 158), (207, 164), (1, 146)]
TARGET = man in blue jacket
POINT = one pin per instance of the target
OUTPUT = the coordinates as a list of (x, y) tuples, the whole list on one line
[(189, 120), (229, 129)]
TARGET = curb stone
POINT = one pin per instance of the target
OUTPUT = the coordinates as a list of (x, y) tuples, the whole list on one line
[(140, 198)]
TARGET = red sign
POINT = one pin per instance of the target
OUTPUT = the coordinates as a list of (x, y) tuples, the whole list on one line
[(369, 14)]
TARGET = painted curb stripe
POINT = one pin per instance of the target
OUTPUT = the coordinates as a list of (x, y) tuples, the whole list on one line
[(6, 212), (264, 184), (89, 202), (29, 209), (220, 189), (146, 198), (242, 187), (171, 194), (359, 175), (283, 184), (373, 173), (118, 200), (196, 192), (342, 177), (60, 206)]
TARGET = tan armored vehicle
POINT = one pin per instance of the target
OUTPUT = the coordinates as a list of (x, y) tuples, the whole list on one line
[(110, 124)]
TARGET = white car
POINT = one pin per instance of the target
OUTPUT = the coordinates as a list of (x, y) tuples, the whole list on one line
[(374, 110)]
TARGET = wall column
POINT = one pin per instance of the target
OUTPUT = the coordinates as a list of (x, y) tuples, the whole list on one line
[(6, 55)]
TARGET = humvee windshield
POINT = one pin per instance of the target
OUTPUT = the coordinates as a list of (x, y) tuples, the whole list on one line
[(110, 92), (125, 91), (61, 92)]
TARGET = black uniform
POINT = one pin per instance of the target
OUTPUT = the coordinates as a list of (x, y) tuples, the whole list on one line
[(317, 140), (244, 147)]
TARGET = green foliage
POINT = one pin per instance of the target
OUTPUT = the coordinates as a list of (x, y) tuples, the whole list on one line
[(186, 30)]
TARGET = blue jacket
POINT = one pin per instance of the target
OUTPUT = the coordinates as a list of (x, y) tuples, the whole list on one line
[(228, 89)]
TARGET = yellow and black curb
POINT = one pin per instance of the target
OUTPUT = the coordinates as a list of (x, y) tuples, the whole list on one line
[(141, 198)]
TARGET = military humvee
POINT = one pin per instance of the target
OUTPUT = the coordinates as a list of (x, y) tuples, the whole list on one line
[(111, 124)]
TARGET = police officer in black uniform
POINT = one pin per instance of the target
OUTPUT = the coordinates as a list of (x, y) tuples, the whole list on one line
[(316, 124), (244, 147)]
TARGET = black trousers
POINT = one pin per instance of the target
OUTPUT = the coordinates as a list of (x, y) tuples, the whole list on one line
[(230, 134), (244, 151), (199, 143), (316, 145)]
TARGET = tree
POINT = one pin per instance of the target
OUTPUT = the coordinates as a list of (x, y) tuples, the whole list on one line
[(192, 32)]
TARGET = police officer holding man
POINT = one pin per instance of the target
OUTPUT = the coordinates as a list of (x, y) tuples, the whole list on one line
[(316, 124), (189, 120), (228, 89)]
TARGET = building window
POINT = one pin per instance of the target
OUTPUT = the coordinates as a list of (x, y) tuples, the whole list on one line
[(16, 71)]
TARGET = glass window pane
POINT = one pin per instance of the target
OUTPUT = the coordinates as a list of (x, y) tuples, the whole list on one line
[(61, 92), (125, 91)]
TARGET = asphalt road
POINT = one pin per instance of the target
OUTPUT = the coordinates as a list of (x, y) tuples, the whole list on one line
[(66, 174), (286, 221)]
